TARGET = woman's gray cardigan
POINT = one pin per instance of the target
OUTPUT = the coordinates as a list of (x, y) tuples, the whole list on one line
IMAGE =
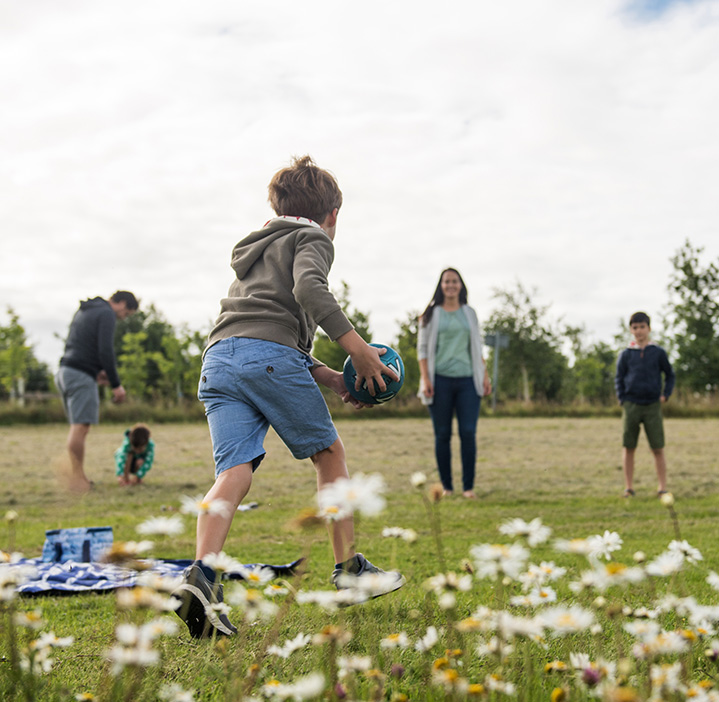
[(427, 348)]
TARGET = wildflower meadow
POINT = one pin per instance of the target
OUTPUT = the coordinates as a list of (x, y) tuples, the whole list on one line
[(550, 586)]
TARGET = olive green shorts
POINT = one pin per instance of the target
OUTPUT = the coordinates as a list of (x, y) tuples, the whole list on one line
[(650, 416)]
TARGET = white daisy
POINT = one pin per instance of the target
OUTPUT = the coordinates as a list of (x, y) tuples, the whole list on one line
[(666, 679), (534, 598), (713, 579), (353, 664), (199, 505), (30, 620), (175, 693), (535, 532), (687, 551), (418, 479), (222, 563), (665, 564), (290, 646), (399, 640), (428, 641), (345, 496), (161, 526), (567, 620), (537, 575), (580, 547), (495, 560), (603, 545), (49, 640)]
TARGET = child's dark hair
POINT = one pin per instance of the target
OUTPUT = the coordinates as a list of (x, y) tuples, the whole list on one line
[(139, 436), (438, 297), (639, 318), (304, 190), (128, 298)]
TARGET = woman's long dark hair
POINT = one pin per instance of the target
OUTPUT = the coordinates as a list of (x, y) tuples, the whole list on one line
[(438, 297)]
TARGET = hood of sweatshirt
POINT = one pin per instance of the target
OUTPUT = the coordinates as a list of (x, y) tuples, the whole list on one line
[(634, 345), (253, 246), (93, 302)]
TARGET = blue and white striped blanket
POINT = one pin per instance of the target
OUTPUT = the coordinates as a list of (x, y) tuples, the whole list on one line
[(74, 577)]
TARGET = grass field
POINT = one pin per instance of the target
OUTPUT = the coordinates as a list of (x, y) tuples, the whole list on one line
[(567, 472)]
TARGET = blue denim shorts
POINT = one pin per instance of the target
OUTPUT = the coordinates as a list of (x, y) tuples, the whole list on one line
[(248, 385)]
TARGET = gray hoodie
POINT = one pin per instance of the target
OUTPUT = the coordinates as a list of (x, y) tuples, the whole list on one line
[(281, 292)]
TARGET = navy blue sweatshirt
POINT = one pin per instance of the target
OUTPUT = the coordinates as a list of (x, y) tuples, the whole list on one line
[(639, 374), (89, 346)]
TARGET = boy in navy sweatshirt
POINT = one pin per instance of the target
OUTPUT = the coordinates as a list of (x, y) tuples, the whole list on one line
[(639, 389)]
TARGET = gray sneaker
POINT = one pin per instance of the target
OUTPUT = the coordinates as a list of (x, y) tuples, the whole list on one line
[(196, 595), (366, 578)]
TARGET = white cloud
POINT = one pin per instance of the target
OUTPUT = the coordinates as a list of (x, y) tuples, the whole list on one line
[(567, 145)]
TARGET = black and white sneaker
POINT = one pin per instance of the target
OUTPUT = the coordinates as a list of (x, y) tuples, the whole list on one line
[(360, 575), (197, 595)]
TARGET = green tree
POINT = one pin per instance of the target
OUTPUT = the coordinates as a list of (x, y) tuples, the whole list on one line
[(136, 364), (406, 347), (532, 367), (592, 375), (15, 357), (331, 353), (156, 362), (692, 319), (180, 364)]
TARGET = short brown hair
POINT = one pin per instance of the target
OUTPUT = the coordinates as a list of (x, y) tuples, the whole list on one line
[(139, 436), (304, 190), (128, 298)]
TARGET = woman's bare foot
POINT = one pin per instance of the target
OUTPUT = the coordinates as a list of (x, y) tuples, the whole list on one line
[(469, 494), (447, 493)]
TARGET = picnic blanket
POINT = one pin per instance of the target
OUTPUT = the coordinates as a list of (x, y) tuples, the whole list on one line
[(71, 562), (75, 577)]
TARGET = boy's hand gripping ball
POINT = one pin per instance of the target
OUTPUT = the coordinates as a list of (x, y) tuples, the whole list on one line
[(393, 361)]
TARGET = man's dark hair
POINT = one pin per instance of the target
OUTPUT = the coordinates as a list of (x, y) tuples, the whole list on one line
[(139, 436), (127, 297), (304, 190), (638, 318)]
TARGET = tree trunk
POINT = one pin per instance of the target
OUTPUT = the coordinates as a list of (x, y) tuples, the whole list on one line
[(525, 383)]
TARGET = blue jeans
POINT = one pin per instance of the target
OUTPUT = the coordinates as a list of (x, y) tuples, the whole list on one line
[(455, 396)]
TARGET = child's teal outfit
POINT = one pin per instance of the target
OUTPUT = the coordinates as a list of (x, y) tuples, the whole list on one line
[(147, 456)]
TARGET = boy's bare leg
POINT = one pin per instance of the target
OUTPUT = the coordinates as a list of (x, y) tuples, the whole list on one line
[(330, 465), (231, 486), (628, 467), (77, 481), (661, 465)]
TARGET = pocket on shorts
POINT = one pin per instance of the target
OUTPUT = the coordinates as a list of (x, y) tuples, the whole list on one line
[(215, 377)]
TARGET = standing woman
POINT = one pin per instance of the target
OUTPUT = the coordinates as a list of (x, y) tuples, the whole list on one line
[(453, 375)]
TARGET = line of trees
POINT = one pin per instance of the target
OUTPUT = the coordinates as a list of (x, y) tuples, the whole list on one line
[(546, 360), (549, 361)]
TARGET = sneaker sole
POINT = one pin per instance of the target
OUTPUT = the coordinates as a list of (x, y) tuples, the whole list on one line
[(193, 611), (399, 584)]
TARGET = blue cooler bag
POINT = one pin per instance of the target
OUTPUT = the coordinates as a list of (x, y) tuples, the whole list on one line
[(82, 544)]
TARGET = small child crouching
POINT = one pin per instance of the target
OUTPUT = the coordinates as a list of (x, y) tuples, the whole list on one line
[(134, 458)]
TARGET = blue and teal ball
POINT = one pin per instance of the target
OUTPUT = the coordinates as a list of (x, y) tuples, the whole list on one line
[(392, 360)]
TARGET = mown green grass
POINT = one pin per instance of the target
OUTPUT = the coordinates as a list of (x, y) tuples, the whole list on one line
[(565, 471)]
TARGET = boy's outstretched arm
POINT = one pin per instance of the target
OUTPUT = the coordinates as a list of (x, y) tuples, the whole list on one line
[(365, 359), (334, 380)]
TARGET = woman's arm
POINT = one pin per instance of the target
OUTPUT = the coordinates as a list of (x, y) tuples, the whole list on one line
[(425, 381)]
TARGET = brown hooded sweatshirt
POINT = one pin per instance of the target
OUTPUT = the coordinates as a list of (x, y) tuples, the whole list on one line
[(281, 292)]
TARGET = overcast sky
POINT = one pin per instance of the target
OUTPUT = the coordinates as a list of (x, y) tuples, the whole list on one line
[(571, 146)]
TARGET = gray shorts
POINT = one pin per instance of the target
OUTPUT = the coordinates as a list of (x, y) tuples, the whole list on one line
[(80, 396)]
